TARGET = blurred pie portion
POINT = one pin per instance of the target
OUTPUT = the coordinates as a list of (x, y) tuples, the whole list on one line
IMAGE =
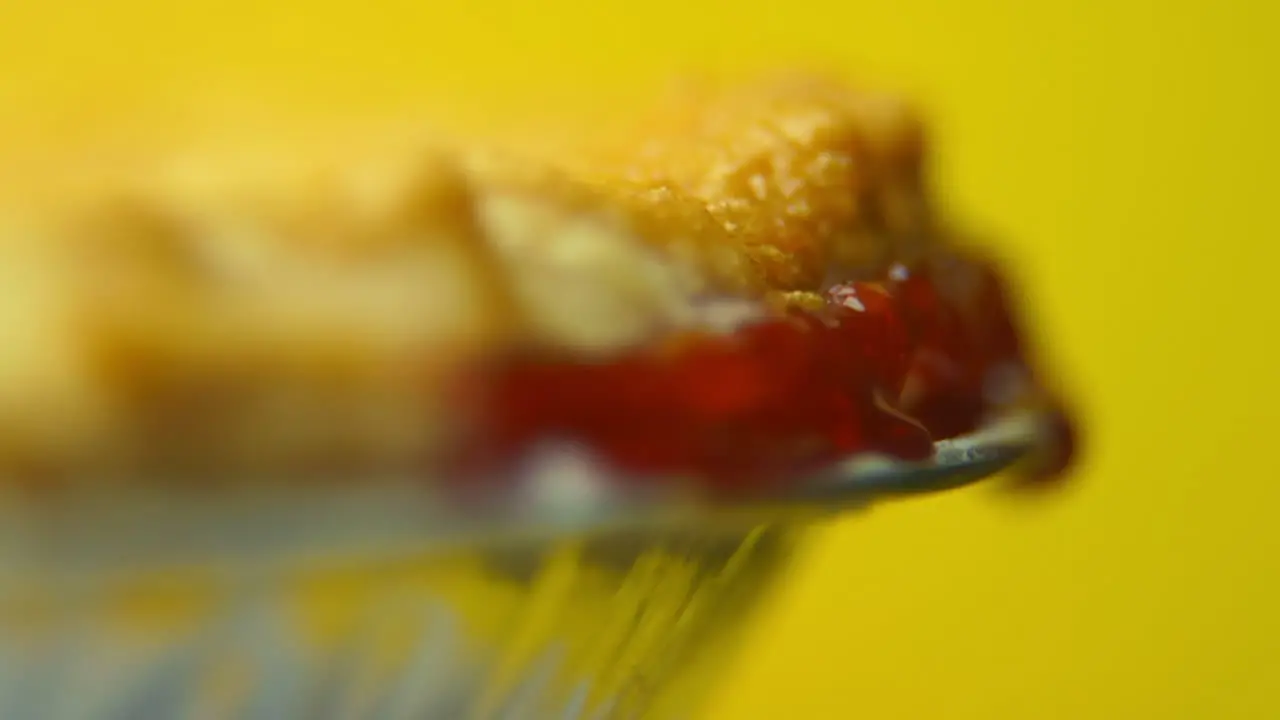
[(312, 310)]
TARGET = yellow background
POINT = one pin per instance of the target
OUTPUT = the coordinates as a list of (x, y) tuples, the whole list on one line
[(1121, 151)]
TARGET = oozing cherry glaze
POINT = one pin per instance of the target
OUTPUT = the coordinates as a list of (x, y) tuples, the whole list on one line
[(888, 366)]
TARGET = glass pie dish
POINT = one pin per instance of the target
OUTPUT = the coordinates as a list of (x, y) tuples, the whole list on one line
[(374, 604)]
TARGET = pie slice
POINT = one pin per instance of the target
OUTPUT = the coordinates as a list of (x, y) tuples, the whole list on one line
[(749, 285)]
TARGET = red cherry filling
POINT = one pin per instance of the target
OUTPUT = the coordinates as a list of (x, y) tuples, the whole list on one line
[(887, 367)]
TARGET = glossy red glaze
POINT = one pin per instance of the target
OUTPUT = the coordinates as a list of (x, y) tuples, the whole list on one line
[(887, 367)]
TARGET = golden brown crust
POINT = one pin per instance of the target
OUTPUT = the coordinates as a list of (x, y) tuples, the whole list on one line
[(801, 172)]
